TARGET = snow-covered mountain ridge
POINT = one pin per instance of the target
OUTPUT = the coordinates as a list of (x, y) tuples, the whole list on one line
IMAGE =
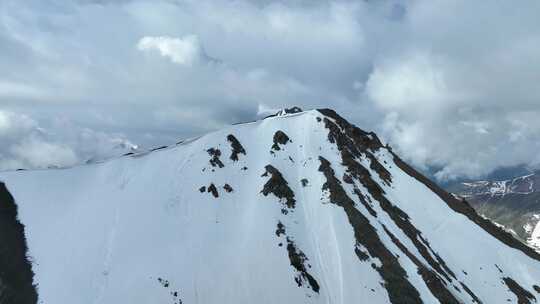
[(521, 185), (301, 207)]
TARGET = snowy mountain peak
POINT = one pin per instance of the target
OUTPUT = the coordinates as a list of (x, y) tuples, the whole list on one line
[(287, 111), (303, 208)]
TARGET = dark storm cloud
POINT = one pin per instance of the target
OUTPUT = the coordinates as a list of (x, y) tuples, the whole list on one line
[(450, 84)]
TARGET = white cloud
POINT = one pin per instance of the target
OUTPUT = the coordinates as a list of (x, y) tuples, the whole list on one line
[(456, 93), (263, 110), (10, 89), (26, 144), (437, 113), (33, 152), (11, 124), (410, 82), (183, 51)]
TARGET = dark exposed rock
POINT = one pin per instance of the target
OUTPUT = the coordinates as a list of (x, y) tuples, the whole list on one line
[(236, 147), (364, 201), (354, 143), (202, 189), (244, 122), (212, 189), (304, 182), (280, 138), (400, 290), (175, 294), (278, 186), (16, 276), (163, 282), (280, 229), (228, 188), (298, 260), (401, 219), (366, 140), (376, 166), (471, 294), (536, 288), (347, 178), (523, 296), (434, 283), (215, 161), (362, 256)]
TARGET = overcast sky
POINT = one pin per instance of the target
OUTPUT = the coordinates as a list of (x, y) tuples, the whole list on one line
[(451, 84)]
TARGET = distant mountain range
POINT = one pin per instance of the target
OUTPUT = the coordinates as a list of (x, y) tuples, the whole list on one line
[(512, 203)]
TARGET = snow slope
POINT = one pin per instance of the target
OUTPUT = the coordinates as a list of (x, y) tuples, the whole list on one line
[(309, 209)]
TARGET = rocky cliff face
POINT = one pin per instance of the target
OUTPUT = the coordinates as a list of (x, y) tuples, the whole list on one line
[(301, 207)]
